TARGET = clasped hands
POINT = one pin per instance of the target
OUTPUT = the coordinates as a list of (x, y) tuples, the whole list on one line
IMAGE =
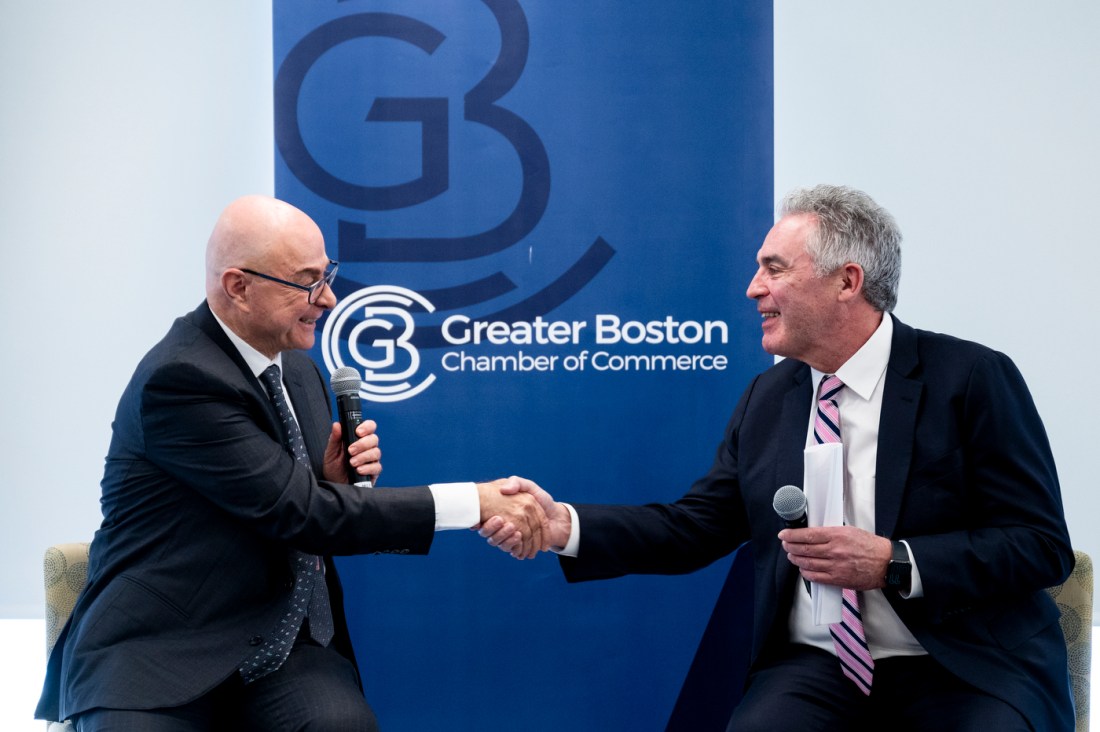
[(517, 516), (520, 518)]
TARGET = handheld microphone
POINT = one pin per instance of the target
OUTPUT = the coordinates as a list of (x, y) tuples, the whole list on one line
[(345, 384), (790, 503)]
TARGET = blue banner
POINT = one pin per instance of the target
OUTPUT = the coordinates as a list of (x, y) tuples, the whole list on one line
[(546, 214)]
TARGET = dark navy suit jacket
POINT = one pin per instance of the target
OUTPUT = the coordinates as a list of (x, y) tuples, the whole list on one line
[(202, 505), (964, 474)]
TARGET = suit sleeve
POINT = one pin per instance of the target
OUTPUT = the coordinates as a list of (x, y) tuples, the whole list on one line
[(212, 434), (704, 525)]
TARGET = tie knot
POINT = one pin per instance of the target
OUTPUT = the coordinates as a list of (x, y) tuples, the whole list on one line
[(827, 421), (830, 385), (271, 377)]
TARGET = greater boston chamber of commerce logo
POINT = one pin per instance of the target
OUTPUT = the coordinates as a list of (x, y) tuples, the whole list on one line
[(371, 331)]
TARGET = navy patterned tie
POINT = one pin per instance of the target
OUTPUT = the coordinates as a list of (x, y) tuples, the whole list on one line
[(310, 595)]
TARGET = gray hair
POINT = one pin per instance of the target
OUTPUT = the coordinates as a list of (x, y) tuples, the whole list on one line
[(851, 227)]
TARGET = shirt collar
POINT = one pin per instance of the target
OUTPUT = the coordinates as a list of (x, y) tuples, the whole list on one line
[(862, 372), (257, 362)]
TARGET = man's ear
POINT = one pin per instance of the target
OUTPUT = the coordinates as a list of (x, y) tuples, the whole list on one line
[(851, 281), (235, 286)]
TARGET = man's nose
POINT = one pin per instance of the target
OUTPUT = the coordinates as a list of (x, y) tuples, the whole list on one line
[(326, 298), (756, 287)]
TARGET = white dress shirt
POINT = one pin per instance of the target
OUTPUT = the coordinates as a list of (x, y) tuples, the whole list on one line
[(860, 405)]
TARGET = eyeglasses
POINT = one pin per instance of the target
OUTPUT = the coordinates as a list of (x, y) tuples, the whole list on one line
[(313, 290)]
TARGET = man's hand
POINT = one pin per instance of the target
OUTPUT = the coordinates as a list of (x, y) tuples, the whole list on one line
[(838, 555), (517, 516), (364, 453), (500, 533)]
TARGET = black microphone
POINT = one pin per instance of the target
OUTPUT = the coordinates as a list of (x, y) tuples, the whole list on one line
[(345, 385), (790, 504)]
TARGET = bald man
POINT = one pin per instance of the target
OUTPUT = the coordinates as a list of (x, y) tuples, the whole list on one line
[(212, 600)]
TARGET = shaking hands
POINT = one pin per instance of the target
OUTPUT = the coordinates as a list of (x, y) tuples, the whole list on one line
[(517, 516), (533, 521)]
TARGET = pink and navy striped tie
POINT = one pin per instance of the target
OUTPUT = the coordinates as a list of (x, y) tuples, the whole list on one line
[(848, 636)]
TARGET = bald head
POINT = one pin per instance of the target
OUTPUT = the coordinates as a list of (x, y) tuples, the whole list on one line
[(254, 231), (266, 235)]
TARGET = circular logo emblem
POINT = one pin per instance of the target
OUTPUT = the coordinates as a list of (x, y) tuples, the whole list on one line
[(371, 331)]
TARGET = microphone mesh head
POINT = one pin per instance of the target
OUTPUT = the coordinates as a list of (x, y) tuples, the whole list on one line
[(345, 380), (789, 502)]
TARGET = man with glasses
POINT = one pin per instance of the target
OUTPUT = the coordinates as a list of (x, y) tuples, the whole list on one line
[(212, 601)]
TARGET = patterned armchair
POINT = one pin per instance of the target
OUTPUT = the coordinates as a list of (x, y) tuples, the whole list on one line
[(1074, 598), (65, 570)]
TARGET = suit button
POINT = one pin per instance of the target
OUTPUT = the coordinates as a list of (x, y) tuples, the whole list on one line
[(256, 640)]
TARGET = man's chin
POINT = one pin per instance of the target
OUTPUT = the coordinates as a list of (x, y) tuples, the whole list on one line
[(305, 343), (771, 345)]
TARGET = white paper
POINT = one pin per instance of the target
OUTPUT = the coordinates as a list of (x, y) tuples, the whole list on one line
[(823, 482)]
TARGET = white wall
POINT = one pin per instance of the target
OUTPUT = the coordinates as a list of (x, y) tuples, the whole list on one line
[(125, 126), (976, 124)]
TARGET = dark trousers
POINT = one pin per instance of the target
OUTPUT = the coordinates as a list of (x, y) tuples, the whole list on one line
[(316, 689), (802, 689)]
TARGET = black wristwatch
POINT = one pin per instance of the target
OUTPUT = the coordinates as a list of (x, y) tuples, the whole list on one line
[(899, 572)]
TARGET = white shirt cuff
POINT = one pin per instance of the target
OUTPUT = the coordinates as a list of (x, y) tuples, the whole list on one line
[(916, 589), (457, 505), (571, 546)]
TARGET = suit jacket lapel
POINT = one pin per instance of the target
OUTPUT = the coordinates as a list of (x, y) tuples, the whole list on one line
[(897, 426), (790, 440), (204, 319)]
